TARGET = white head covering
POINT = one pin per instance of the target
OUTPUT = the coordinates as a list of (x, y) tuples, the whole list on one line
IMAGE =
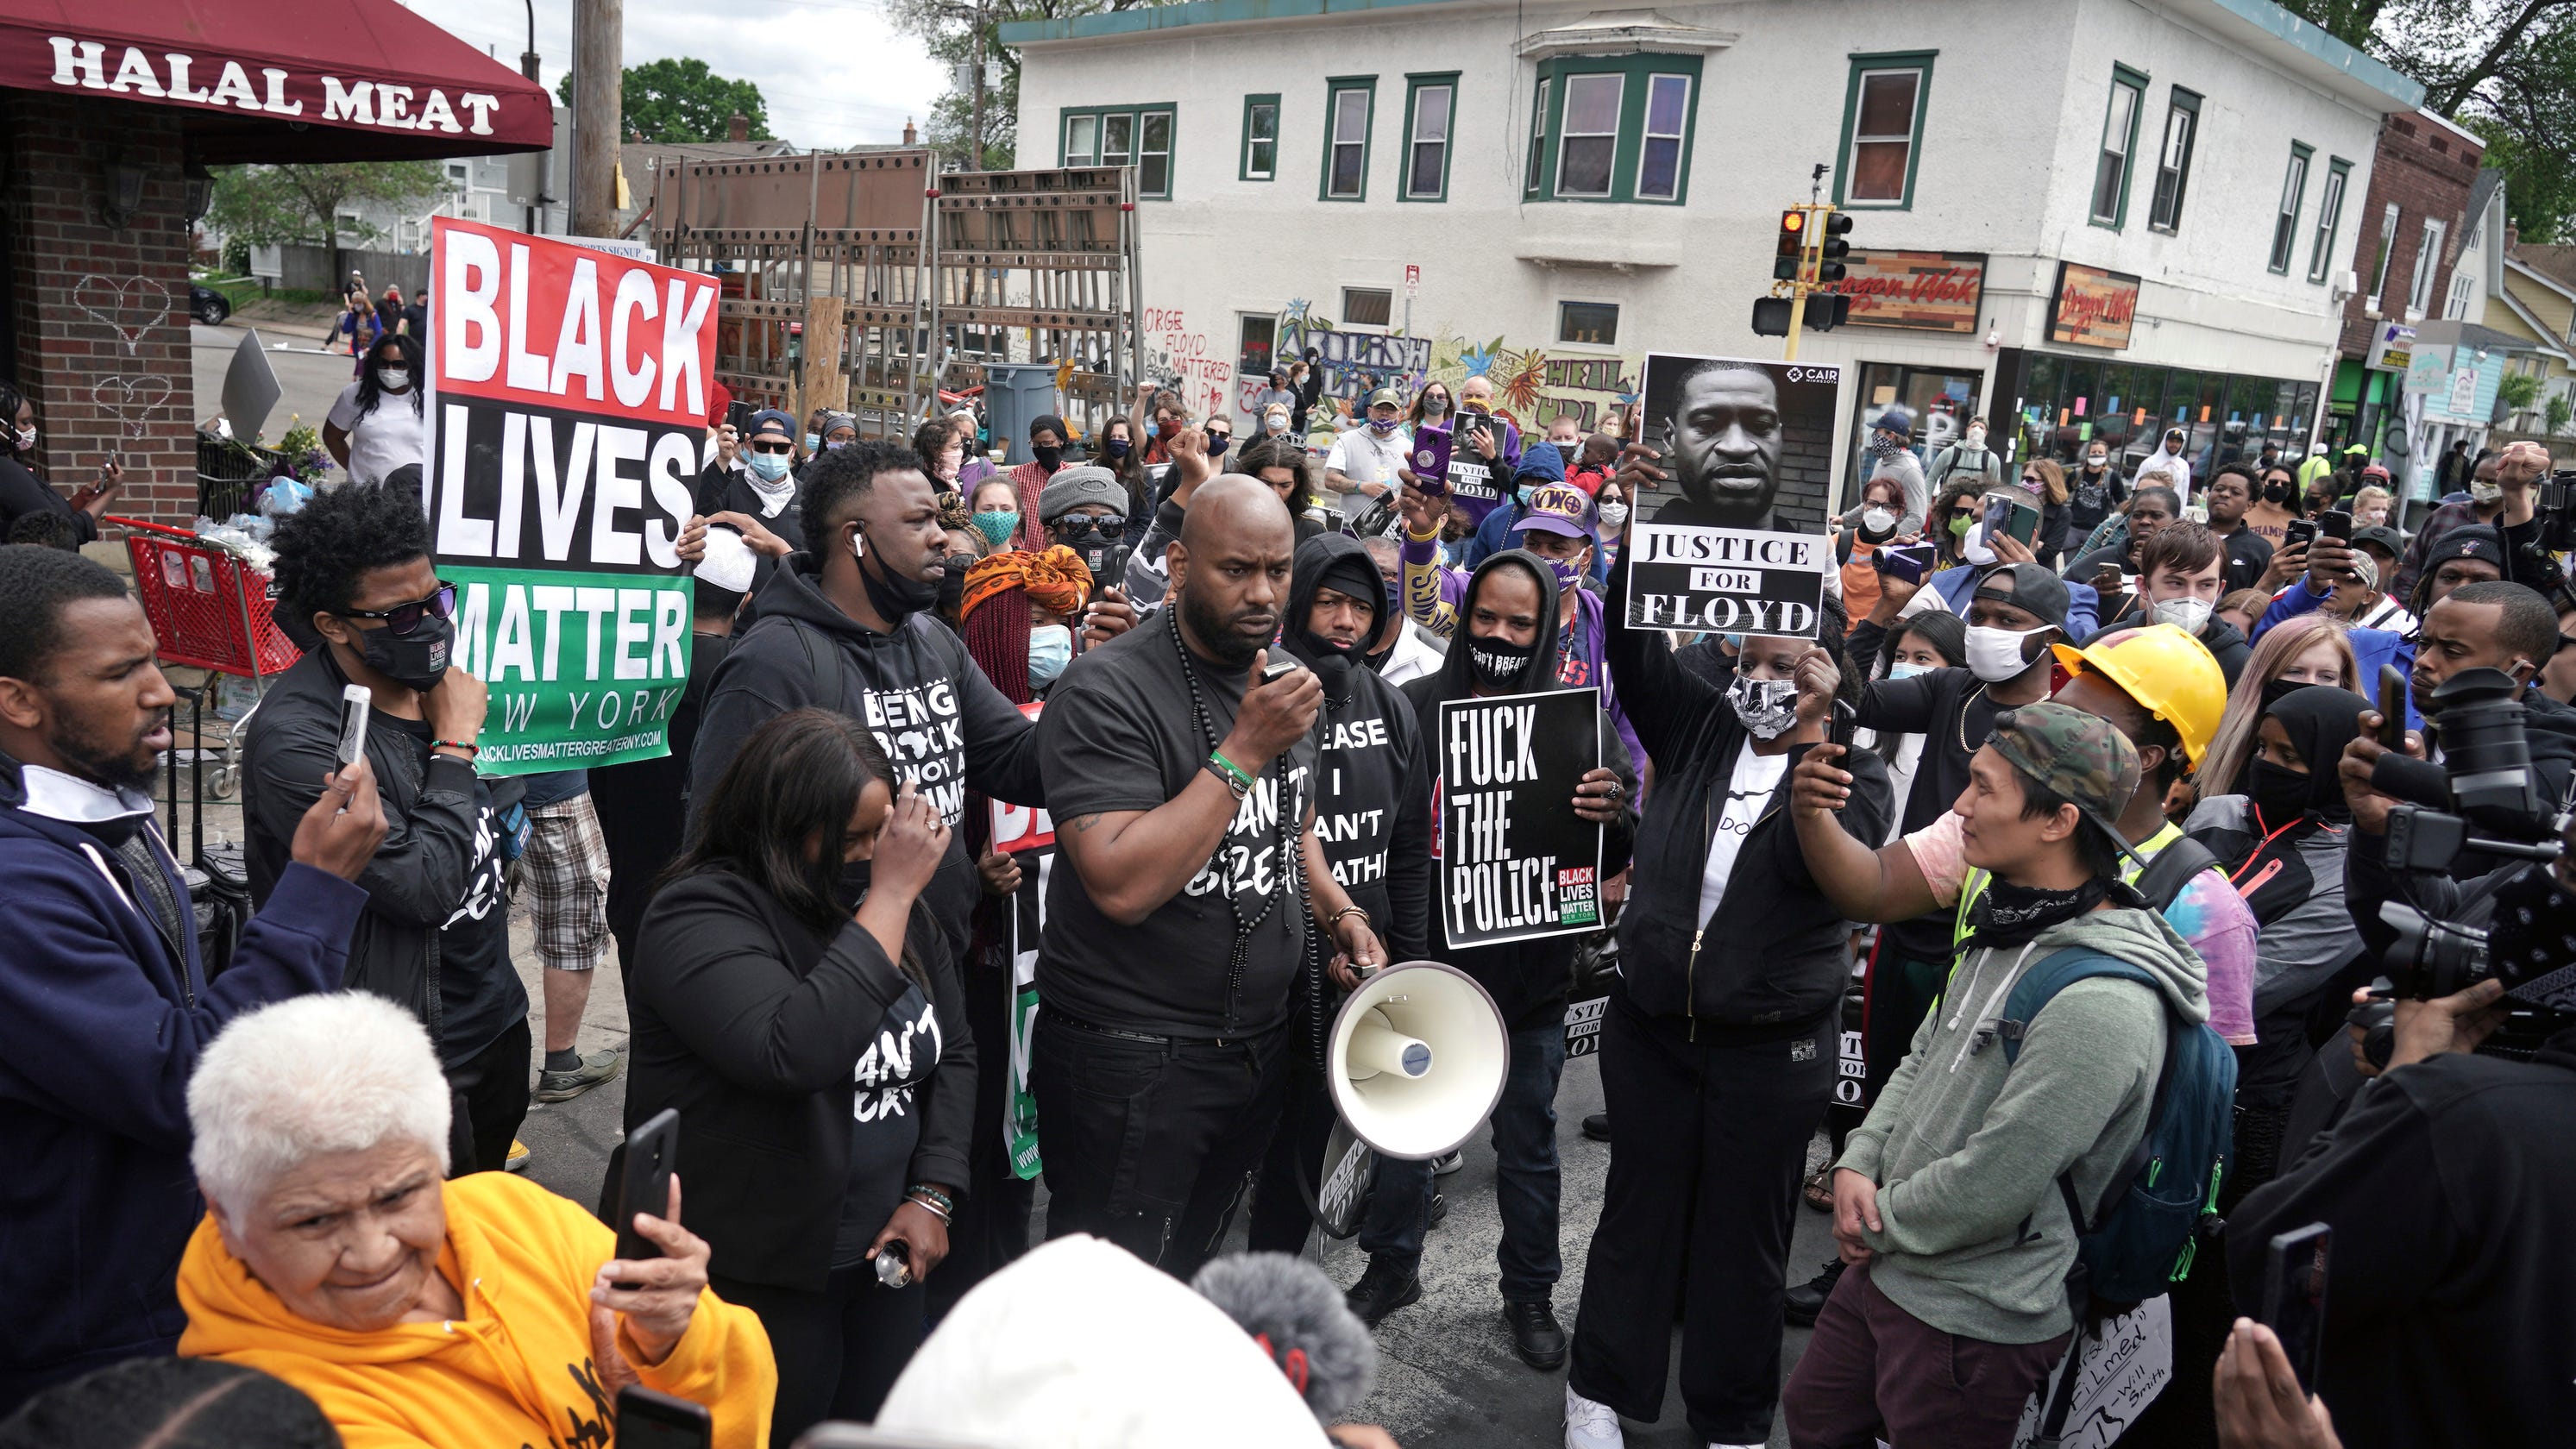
[(1081, 1345), (729, 562)]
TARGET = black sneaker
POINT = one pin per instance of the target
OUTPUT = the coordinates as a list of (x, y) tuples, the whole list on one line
[(1536, 1335), (1381, 1290), (595, 1068), (1597, 1126), (1807, 1299)]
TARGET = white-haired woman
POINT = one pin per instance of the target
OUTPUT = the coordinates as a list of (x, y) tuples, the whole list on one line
[(415, 1311)]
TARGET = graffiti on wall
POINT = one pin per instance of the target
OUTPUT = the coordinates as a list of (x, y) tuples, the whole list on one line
[(1178, 356)]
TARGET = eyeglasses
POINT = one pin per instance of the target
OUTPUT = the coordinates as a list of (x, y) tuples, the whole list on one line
[(1103, 525), (402, 619), (777, 447)]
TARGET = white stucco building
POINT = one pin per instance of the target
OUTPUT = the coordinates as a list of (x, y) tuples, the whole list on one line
[(2092, 214)]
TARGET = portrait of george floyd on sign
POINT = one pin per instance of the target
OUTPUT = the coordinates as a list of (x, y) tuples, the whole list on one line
[(1726, 545), (568, 398)]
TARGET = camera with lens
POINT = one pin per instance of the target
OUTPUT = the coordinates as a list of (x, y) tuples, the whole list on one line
[(2482, 804)]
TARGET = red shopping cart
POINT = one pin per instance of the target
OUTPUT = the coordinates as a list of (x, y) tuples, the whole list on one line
[(210, 609)]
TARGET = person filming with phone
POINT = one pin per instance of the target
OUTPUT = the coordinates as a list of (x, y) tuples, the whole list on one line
[(480, 1310), (797, 1005)]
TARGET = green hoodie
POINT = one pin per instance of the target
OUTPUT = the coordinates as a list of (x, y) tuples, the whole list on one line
[(1966, 1149)]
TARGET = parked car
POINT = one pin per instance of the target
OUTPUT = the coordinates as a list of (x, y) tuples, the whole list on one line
[(208, 305)]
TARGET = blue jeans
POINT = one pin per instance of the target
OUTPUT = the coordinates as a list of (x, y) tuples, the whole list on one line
[(1525, 1177)]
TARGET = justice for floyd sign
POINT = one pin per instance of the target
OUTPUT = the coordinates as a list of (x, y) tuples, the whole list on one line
[(1727, 580), (568, 401), (1516, 862)]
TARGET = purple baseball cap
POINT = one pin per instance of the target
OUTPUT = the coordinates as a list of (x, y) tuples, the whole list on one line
[(1559, 508)]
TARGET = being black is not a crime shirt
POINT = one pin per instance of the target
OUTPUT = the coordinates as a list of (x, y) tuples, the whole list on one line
[(1118, 735)]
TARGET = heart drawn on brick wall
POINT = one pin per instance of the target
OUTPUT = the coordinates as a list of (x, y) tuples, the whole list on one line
[(116, 304), (131, 401)]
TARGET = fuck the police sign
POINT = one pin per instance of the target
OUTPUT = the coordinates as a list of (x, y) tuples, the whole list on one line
[(569, 392), (1516, 861), (1727, 580)]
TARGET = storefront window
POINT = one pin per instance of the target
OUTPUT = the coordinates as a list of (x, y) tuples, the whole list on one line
[(1939, 402)]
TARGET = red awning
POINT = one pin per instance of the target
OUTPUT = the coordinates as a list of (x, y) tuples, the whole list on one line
[(280, 80)]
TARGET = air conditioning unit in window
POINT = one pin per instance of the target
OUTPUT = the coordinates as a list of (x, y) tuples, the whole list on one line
[(2346, 282)]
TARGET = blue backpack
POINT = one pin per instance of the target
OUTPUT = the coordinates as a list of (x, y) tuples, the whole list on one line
[(2152, 1209)]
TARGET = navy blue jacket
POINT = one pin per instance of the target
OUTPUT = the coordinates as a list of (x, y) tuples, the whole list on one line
[(101, 1022)]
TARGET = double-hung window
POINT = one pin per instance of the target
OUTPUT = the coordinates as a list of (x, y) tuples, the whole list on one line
[(1348, 100), (1430, 118), (1612, 128), (2173, 160), (2294, 194), (2329, 218), (1883, 129), (2119, 143), (1138, 136)]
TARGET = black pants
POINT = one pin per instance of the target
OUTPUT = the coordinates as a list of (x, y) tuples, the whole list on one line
[(1281, 1220), (488, 1092), (992, 1226), (1148, 1143), (839, 1350), (1708, 1144)]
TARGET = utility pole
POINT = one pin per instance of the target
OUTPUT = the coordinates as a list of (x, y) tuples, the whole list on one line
[(528, 68), (975, 154), (598, 106)]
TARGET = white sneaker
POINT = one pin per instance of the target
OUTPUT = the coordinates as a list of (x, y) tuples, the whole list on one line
[(1591, 1426)]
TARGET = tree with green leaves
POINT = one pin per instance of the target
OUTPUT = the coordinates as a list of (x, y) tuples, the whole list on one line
[(671, 100), (947, 29), (2555, 413), (2505, 69), (272, 205)]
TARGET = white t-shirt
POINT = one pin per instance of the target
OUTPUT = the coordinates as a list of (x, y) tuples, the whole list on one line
[(1747, 791), (1363, 457), (383, 440)]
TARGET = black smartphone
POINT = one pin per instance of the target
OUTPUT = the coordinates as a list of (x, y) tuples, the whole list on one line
[(2392, 708), (645, 1184), (2299, 534), (738, 417), (1109, 571), (2294, 1297), (1912, 562), (650, 1420), (2336, 524)]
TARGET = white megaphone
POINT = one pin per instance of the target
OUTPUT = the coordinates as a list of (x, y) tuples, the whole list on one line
[(1416, 1059)]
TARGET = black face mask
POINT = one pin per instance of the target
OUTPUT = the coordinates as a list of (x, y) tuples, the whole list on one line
[(2276, 493), (2279, 794), (417, 660), (893, 595), (852, 886), (1497, 664), (1217, 443), (2010, 915), (1048, 458), (1330, 661), (952, 584)]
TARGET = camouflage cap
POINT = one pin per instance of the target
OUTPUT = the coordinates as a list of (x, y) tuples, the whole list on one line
[(2073, 754)]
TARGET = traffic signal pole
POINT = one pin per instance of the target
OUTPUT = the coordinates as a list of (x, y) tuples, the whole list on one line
[(1807, 262)]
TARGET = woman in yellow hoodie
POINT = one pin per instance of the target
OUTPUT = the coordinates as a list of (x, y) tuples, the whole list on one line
[(417, 1312)]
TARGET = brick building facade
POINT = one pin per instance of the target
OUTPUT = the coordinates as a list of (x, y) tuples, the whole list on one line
[(2408, 231), (98, 330)]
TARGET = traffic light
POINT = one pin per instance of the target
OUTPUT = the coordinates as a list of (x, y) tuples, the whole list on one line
[(1824, 314), (1832, 248), (1792, 248), (1827, 311), (1770, 316)]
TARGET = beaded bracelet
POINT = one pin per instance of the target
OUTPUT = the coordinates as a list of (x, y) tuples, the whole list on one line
[(468, 746), (937, 1202)]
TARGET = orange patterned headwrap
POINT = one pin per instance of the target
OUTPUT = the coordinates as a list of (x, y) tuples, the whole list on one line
[(1056, 579)]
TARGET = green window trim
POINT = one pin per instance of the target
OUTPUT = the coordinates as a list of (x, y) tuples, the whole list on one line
[(1415, 83), (2330, 218), (1639, 75), (1139, 118), (1335, 87), (2135, 82), (1243, 156), (1863, 65), (2163, 215), (2285, 236)]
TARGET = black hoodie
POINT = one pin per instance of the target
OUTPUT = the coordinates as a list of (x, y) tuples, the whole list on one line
[(939, 720), (1772, 960), (1374, 827), (1527, 979)]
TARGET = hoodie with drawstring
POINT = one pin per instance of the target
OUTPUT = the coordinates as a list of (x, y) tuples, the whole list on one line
[(1966, 1147), (941, 723)]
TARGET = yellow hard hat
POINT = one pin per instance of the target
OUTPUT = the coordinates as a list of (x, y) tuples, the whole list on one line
[(2169, 673)]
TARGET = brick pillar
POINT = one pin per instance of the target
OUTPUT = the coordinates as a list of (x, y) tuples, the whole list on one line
[(128, 323)]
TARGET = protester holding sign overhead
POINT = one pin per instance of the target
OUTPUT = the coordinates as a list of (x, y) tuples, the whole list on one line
[(1183, 788), (1507, 645), (1718, 1050)]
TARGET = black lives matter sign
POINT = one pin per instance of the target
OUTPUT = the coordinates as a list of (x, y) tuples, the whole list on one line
[(1727, 580), (1516, 862)]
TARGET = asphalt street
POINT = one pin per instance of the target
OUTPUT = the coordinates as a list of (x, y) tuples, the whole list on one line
[(310, 379)]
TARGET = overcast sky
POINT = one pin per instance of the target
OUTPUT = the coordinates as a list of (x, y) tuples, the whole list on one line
[(832, 71)]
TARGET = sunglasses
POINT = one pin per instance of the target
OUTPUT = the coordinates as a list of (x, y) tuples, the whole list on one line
[(2030, 478), (1102, 525), (402, 619), (777, 447)]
